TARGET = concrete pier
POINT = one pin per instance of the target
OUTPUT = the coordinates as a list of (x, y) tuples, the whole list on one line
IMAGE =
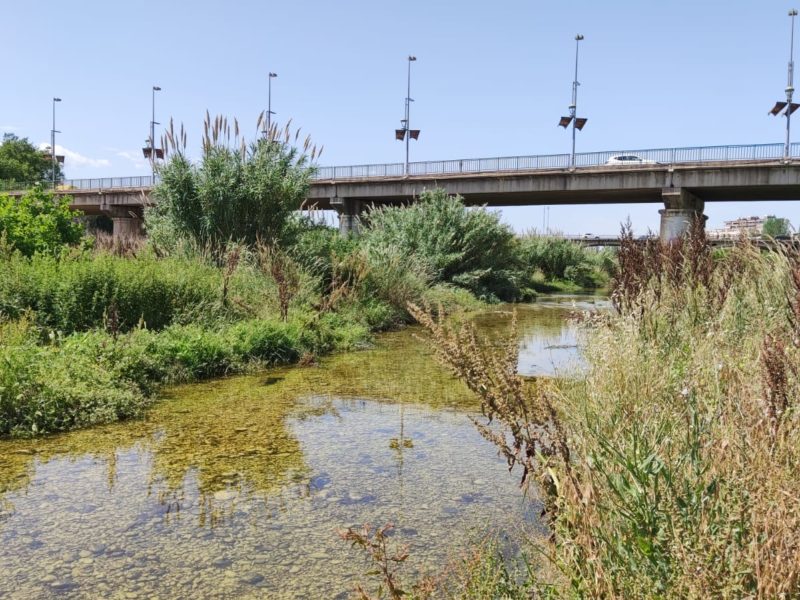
[(349, 211), (681, 210)]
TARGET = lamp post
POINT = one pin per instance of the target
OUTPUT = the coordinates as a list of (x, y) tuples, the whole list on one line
[(788, 105), (53, 133), (153, 124), (577, 122), (269, 104), (406, 133)]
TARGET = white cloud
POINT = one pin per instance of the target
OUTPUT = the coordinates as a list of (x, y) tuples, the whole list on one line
[(135, 158), (74, 159)]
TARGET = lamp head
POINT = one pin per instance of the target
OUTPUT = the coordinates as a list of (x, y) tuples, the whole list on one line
[(578, 37), (156, 88), (412, 58), (56, 99), (272, 75), (793, 12)]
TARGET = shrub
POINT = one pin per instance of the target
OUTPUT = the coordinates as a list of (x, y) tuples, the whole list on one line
[(467, 247), (39, 222), (559, 259)]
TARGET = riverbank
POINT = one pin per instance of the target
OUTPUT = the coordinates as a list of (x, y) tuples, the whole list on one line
[(90, 338), (669, 469), (87, 336)]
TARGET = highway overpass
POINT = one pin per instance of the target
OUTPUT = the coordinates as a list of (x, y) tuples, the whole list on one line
[(682, 180)]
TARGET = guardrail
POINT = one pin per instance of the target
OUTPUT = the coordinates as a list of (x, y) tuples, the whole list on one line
[(534, 162)]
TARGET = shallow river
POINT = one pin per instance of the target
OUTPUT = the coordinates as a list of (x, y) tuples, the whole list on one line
[(236, 487)]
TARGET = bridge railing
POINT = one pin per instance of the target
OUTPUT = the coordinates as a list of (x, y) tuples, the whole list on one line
[(479, 165), (558, 161)]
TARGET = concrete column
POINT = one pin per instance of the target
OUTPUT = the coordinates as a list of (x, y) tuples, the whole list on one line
[(349, 210), (681, 209), (127, 228), (128, 223)]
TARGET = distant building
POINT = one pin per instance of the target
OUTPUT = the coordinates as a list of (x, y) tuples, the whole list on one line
[(743, 226)]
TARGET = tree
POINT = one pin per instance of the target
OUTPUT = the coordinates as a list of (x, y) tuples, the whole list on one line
[(22, 162), (239, 192), (775, 226), (38, 222)]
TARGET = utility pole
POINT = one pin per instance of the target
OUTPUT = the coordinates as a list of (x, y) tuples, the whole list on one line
[(789, 106), (787, 152), (577, 122), (53, 133), (269, 103), (408, 108), (405, 132), (153, 124)]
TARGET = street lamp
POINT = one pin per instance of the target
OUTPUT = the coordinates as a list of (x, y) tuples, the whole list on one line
[(151, 152), (577, 122), (269, 104), (53, 133), (405, 132), (788, 105)]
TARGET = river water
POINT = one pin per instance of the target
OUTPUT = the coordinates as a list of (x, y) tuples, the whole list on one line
[(236, 487)]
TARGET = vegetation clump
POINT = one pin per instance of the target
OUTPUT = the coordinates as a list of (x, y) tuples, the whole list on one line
[(239, 191), (669, 470), (38, 222)]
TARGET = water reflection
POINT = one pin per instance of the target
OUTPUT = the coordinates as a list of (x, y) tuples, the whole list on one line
[(548, 337), (234, 487)]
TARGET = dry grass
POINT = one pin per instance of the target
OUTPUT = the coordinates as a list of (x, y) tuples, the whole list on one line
[(671, 470)]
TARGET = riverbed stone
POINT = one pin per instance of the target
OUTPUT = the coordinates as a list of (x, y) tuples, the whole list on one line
[(251, 578)]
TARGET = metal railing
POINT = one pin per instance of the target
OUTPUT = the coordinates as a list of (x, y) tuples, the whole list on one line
[(559, 161), (666, 156)]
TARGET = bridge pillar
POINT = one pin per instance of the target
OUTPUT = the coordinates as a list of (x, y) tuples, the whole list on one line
[(128, 225), (349, 210), (681, 208)]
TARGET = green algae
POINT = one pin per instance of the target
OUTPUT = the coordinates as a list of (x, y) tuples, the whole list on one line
[(235, 486)]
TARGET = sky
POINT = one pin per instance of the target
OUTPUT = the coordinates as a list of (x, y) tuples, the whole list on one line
[(491, 79)]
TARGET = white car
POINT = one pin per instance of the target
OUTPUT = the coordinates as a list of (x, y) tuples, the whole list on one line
[(629, 159)]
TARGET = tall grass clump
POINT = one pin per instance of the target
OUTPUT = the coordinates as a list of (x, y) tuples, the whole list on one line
[(85, 290), (669, 470), (239, 192)]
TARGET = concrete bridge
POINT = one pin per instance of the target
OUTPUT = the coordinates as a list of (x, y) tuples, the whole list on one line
[(682, 180)]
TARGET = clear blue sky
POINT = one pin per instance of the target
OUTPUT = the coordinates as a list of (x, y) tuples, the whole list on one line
[(492, 78)]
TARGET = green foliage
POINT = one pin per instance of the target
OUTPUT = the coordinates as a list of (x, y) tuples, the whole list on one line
[(22, 163), (468, 248), (774, 227), (564, 260), (81, 292), (237, 193), (319, 248), (38, 222)]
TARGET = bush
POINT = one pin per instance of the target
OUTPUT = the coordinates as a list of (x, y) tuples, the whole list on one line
[(558, 259), (39, 222), (58, 387), (466, 247)]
